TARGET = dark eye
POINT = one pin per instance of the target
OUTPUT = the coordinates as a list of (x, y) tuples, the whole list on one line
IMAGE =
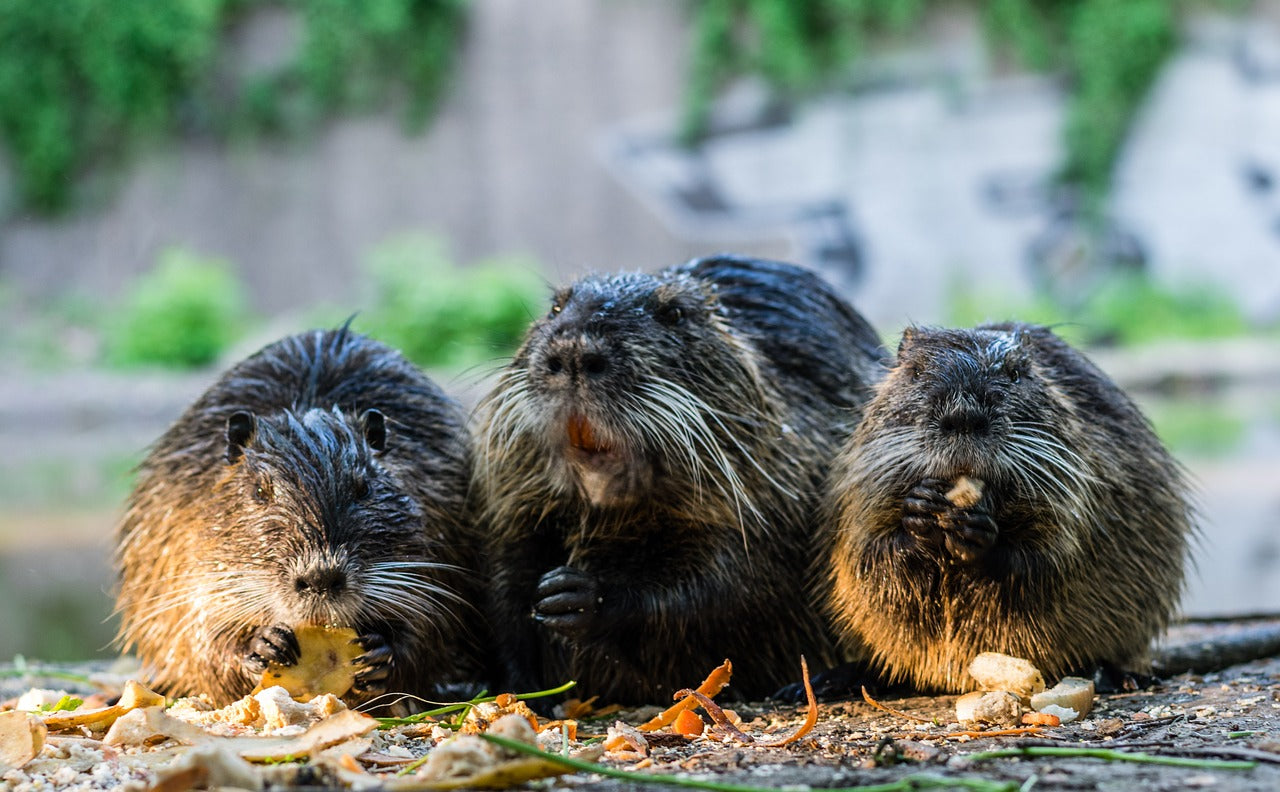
[(556, 308), (669, 314), (360, 488), (263, 492)]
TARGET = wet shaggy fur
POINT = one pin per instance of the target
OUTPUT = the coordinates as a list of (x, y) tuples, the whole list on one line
[(1074, 556), (652, 464), (321, 481)]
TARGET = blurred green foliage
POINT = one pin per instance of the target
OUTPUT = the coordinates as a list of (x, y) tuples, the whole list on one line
[(84, 81), (184, 313), (441, 314), (798, 47), (1198, 427), (1130, 309), (1109, 50)]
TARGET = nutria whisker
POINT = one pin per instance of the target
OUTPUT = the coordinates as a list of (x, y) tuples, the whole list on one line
[(322, 481), (1072, 555), (651, 479)]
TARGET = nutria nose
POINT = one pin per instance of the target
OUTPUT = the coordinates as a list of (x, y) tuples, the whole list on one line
[(574, 361), (594, 364), (964, 420), (321, 582)]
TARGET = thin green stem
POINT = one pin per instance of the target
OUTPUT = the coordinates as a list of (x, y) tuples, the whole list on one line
[(904, 784), (1115, 756), (463, 706)]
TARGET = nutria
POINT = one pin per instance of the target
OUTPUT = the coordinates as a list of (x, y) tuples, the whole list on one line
[(1003, 494), (652, 464), (322, 481)]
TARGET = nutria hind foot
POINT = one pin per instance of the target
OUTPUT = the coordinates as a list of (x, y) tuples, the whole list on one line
[(1109, 678)]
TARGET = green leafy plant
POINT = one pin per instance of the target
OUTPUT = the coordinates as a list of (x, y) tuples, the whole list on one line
[(442, 314), (82, 82), (1110, 52), (1130, 309), (183, 313)]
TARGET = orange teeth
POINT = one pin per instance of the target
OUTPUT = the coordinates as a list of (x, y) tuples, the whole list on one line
[(581, 435)]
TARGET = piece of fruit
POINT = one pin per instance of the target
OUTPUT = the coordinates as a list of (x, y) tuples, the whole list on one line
[(325, 664)]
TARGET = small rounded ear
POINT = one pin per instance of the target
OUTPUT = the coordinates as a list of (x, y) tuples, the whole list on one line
[(374, 424), (907, 341), (240, 429)]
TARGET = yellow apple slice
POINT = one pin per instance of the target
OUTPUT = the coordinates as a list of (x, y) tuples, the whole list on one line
[(325, 664)]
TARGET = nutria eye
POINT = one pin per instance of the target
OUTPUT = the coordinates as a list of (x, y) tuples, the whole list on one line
[(263, 492), (670, 315), (556, 308), (360, 488)]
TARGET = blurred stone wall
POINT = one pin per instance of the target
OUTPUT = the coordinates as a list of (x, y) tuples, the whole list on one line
[(509, 165)]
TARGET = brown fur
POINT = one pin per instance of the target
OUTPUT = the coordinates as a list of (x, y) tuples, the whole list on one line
[(1072, 558), (275, 502), (653, 464)]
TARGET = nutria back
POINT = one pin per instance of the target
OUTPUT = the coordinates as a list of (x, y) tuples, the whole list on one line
[(322, 481), (1003, 494), (652, 463)]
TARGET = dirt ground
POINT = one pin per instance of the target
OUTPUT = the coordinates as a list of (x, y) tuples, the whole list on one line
[(1231, 715)]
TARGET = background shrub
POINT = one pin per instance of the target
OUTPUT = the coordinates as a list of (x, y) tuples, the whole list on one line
[(183, 313), (441, 314)]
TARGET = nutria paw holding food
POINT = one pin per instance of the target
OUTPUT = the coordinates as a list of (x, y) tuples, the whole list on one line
[(1002, 494), (321, 482), (652, 467)]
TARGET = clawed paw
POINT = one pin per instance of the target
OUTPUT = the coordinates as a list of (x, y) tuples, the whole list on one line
[(274, 645), (567, 601), (375, 664)]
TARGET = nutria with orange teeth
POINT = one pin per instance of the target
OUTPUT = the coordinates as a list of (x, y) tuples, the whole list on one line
[(651, 469), (322, 481), (1003, 494)]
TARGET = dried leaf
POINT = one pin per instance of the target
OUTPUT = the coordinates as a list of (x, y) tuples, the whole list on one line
[(325, 664), (209, 766), (724, 725), (21, 739), (624, 737), (713, 684), (134, 697), (503, 775), (337, 728)]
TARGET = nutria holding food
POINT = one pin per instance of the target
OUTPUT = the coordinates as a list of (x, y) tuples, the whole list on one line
[(320, 482), (652, 465), (1003, 494)]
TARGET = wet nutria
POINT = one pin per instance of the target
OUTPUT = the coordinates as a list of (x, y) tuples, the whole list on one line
[(1002, 494), (653, 459), (321, 481)]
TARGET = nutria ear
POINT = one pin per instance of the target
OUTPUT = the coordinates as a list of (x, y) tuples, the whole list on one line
[(240, 429), (908, 339), (375, 429)]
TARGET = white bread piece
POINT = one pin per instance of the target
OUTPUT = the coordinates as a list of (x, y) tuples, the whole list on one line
[(996, 706), (1074, 693), (995, 671)]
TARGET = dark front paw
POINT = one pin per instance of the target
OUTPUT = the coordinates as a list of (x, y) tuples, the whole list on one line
[(374, 667), (924, 509), (969, 534), (568, 602), (274, 645)]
